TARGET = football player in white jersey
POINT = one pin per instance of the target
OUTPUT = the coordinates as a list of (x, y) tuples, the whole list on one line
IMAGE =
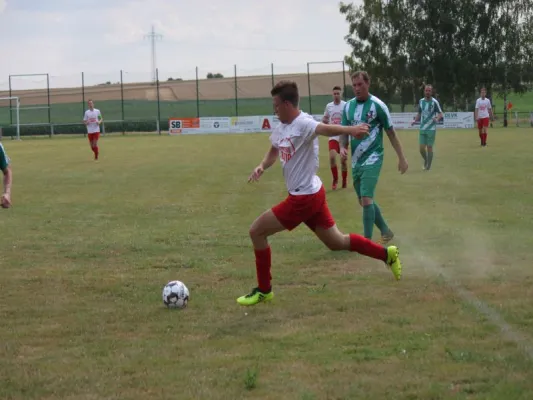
[(295, 142), (483, 113), (333, 115), (92, 120)]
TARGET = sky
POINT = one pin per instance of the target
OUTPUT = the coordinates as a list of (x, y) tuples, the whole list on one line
[(102, 37)]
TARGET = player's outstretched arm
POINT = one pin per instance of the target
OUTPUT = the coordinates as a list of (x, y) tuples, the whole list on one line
[(269, 160), (358, 131), (344, 141), (8, 179), (395, 142), (440, 114), (417, 118)]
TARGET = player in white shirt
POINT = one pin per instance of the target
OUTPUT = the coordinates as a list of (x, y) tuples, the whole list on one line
[(295, 142), (333, 115), (92, 120), (483, 114)]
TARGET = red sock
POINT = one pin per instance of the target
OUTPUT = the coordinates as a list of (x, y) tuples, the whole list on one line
[(484, 138), (481, 136), (96, 152), (263, 262), (344, 176), (367, 247), (335, 173)]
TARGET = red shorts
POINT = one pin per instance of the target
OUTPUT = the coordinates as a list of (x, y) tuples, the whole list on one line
[(482, 123), (334, 145), (93, 136), (311, 209)]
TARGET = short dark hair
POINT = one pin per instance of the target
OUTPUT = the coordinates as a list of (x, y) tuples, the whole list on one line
[(336, 88), (362, 74), (287, 91)]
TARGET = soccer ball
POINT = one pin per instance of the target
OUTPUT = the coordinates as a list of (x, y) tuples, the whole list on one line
[(175, 295)]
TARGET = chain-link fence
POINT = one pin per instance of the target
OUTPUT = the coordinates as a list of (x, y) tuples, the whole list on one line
[(133, 101)]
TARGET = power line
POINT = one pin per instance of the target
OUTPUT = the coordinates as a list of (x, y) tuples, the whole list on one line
[(255, 48), (153, 36)]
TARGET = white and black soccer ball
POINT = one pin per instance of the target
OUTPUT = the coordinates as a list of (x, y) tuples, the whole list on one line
[(175, 295)]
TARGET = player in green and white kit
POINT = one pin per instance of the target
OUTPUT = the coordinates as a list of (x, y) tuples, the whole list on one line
[(367, 152), (429, 114), (5, 199)]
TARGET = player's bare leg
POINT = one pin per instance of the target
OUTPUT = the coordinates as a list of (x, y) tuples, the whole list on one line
[(335, 240), (429, 157), (264, 226), (344, 170), (333, 166), (423, 153)]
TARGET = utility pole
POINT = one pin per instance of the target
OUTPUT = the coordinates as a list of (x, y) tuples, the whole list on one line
[(153, 36)]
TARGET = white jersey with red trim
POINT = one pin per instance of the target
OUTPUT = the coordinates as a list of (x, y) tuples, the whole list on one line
[(483, 106), (298, 152), (333, 113), (92, 117)]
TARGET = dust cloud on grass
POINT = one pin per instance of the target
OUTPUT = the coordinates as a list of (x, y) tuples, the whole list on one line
[(472, 258)]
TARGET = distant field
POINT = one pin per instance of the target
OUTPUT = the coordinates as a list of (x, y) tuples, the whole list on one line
[(144, 109), (87, 248), (178, 99)]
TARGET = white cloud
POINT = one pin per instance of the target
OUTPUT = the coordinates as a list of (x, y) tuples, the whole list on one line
[(101, 37)]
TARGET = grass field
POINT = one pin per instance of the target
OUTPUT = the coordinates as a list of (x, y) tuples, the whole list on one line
[(87, 248)]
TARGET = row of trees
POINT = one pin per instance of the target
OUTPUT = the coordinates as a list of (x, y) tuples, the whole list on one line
[(455, 45)]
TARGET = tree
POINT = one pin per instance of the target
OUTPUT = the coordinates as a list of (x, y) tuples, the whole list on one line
[(210, 75), (455, 45)]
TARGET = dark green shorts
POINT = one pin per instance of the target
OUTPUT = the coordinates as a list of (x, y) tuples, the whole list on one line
[(365, 179), (427, 138)]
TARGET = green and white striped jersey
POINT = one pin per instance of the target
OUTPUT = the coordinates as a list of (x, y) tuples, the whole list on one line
[(369, 150), (428, 110), (4, 159)]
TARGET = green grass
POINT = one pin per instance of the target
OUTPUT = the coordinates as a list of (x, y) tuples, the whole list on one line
[(87, 248)]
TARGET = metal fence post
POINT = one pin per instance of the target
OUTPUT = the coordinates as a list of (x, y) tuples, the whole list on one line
[(236, 95), (158, 100), (197, 96), (122, 101), (309, 86)]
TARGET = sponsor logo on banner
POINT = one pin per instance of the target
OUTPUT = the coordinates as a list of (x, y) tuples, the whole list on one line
[(245, 124), (404, 120), (198, 125), (269, 122), (177, 125), (451, 120), (456, 120)]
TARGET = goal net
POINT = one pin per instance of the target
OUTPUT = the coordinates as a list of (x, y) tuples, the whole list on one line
[(10, 117)]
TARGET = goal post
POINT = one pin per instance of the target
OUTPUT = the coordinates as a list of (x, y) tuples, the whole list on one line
[(17, 112), (33, 103)]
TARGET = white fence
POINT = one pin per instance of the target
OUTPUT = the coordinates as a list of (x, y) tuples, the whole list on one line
[(265, 123)]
